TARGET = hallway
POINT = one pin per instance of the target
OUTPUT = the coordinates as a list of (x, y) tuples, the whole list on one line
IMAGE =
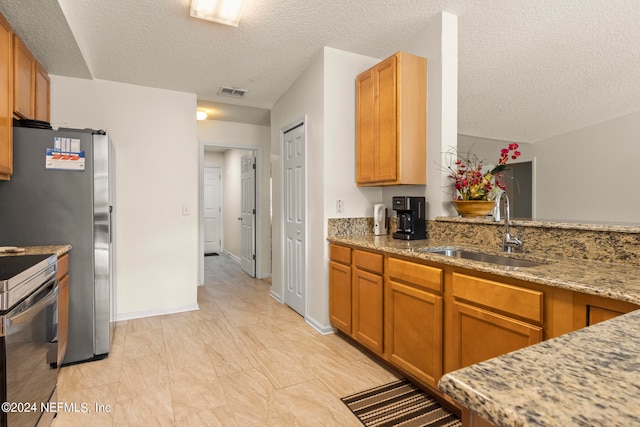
[(243, 359)]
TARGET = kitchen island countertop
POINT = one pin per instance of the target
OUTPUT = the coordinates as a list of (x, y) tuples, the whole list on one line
[(588, 377)]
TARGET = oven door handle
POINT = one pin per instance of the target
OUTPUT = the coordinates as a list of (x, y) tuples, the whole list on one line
[(44, 296)]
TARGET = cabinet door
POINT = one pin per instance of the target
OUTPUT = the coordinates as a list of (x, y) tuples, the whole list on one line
[(6, 102), (478, 335), (376, 118), (41, 93), (366, 127), (63, 317), (414, 331), (23, 80), (386, 150), (340, 296), (368, 309), (591, 309)]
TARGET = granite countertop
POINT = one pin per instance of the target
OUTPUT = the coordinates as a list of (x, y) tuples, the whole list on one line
[(617, 281), (37, 250), (585, 378)]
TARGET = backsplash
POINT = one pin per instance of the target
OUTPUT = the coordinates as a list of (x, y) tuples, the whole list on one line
[(604, 243), (350, 226)]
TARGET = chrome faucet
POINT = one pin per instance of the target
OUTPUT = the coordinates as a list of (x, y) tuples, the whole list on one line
[(509, 243)]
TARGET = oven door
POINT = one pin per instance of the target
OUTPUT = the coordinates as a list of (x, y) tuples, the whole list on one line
[(30, 355)]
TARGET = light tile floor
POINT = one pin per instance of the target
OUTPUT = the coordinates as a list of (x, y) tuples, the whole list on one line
[(243, 359)]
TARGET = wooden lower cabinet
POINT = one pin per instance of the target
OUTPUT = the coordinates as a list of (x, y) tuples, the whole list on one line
[(489, 318), (591, 309), (63, 306), (340, 296), (413, 340), (368, 292), (63, 317), (478, 334), (429, 319)]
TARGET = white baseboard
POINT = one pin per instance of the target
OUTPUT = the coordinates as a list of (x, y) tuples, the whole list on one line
[(276, 297), (150, 313), (232, 256), (323, 329)]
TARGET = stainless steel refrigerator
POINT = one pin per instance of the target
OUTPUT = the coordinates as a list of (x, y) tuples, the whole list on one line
[(61, 191)]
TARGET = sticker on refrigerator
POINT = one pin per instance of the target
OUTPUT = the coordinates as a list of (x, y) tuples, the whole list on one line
[(65, 160)]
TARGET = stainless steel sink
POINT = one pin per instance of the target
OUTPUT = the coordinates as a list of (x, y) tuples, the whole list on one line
[(479, 256)]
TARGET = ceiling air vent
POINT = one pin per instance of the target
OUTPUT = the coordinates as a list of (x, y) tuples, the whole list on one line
[(231, 91)]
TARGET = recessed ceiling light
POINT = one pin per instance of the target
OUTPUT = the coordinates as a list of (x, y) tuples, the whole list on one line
[(201, 115), (222, 11)]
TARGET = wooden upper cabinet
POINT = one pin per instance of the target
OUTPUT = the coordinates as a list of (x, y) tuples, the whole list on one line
[(24, 91), (42, 93), (6, 99), (24, 66), (391, 130), (31, 86)]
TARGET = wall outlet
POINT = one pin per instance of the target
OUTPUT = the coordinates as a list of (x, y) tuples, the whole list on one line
[(339, 206), (185, 210)]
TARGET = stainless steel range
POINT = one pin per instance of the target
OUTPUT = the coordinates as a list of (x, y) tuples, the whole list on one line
[(28, 338)]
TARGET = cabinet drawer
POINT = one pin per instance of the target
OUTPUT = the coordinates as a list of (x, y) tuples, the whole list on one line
[(415, 274), (525, 303), (340, 254), (63, 266), (368, 261)]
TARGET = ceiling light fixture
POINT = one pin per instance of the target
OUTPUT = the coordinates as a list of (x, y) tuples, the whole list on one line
[(201, 115), (222, 11)]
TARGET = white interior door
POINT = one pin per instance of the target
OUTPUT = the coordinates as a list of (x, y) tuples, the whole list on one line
[(248, 207), (212, 210), (295, 218)]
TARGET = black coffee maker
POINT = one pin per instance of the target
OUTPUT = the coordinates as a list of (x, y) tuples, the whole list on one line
[(411, 217)]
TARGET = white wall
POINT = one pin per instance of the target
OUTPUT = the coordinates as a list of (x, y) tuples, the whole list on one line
[(325, 93), (340, 71), (213, 159), (304, 97), (589, 175), (241, 135), (438, 42), (154, 134)]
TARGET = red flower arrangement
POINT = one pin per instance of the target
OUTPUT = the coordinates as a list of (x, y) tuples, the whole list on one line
[(471, 182)]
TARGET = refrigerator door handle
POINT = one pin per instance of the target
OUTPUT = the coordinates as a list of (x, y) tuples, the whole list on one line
[(110, 225)]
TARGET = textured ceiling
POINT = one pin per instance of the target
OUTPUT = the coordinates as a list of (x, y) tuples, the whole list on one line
[(527, 70)]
